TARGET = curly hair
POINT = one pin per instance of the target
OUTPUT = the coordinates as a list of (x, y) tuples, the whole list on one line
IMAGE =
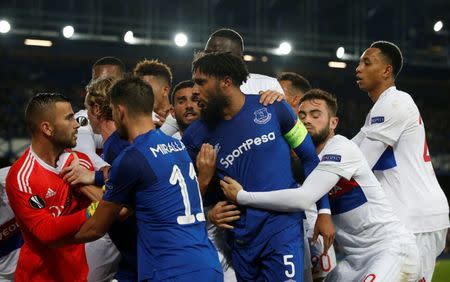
[(98, 94)]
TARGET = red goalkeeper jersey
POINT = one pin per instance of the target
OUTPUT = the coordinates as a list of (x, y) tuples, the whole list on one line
[(47, 212)]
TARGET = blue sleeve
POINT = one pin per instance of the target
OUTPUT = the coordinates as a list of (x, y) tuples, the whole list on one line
[(193, 139), (300, 141), (126, 174)]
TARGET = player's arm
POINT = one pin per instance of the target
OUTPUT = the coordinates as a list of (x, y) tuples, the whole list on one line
[(126, 173), (316, 185), (201, 153), (300, 141), (40, 222), (97, 226), (385, 126)]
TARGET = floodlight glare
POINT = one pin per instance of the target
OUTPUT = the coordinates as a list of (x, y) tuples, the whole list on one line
[(181, 39), (284, 48), (129, 37), (340, 52), (68, 31), (5, 27), (438, 26)]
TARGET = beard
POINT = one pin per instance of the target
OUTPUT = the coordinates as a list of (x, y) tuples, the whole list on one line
[(212, 110), (320, 137), (123, 134), (63, 140)]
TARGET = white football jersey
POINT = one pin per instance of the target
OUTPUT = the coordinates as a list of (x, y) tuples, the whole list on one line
[(404, 169), (258, 82), (9, 254), (87, 141), (363, 217)]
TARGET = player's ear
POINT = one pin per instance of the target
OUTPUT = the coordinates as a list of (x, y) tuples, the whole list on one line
[(227, 81), (334, 122), (388, 72), (46, 128)]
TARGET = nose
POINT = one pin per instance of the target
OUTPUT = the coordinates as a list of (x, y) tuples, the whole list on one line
[(358, 68)]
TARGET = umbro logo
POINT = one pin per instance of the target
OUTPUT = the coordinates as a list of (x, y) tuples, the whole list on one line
[(50, 193)]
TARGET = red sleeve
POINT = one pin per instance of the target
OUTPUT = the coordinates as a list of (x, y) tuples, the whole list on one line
[(38, 221)]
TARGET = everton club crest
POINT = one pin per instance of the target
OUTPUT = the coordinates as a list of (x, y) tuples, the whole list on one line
[(262, 116)]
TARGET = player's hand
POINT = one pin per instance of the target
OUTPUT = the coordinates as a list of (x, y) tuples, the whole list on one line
[(223, 213), (268, 97), (159, 120), (92, 192), (324, 226), (75, 173), (206, 166), (230, 188)]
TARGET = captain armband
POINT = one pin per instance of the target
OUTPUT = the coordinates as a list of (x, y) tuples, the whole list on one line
[(296, 135)]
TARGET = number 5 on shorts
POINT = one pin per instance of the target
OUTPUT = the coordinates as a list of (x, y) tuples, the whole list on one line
[(290, 264)]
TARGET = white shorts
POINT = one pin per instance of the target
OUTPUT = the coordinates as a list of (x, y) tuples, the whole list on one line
[(8, 265), (396, 261), (321, 264), (431, 245), (103, 259), (218, 238)]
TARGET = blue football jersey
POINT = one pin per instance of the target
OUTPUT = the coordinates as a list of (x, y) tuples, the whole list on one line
[(156, 177), (112, 147), (253, 149)]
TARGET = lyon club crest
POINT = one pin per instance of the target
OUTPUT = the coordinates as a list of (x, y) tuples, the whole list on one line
[(262, 116)]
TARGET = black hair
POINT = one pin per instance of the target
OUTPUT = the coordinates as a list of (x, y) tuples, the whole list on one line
[(182, 85), (392, 53), (110, 61), (39, 105), (330, 99), (220, 65), (155, 68), (298, 81), (134, 94)]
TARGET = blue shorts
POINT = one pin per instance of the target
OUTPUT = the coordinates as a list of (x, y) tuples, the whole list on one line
[(202, 275), (281, 258)]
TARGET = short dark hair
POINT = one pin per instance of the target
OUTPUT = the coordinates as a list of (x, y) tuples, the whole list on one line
[(298, 81), (113, 61), (220, 65), (182, 85), (392, 53), (155, 68), (330, 99), (230, 34), (134, 94), (40, 105)]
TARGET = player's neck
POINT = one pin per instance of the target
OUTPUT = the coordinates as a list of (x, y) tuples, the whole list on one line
[(107, 127), (320, 146), (237, 100), (375, 94), (46, 151), (138, 126)]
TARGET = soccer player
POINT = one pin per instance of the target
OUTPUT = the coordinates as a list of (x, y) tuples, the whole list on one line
[(158, 76), (87, 141), (318, 263), (10, 237), (123, 233), (156, 178), (228, 40), (47, 209), (185, 105), (377, 246), (394, 143), (253, 144), (294, 87)]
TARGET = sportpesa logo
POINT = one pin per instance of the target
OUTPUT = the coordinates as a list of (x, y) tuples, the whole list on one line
[(245, 146)]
